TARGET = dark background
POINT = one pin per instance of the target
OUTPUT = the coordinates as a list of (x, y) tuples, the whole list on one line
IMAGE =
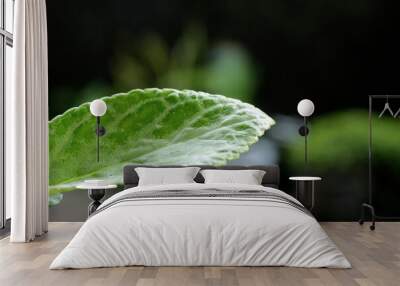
[(334, 52)]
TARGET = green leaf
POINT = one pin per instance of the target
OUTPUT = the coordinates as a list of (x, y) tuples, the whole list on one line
[(151, 126), (55, 199)]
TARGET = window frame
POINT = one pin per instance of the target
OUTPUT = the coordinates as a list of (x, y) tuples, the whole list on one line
[(6, 39)]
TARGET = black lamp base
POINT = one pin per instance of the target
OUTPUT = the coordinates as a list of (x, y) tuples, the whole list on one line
[(303, 130), (100, 131)]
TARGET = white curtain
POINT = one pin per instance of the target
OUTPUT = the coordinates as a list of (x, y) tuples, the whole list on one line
[(27, 124)]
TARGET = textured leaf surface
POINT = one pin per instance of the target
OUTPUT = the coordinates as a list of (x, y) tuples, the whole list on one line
[(55, 199), (151, 126)]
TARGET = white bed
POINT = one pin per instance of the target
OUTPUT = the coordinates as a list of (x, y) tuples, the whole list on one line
[(203, 231)]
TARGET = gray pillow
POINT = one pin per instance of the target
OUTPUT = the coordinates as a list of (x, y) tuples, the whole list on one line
[(245, 177), (163, 176)]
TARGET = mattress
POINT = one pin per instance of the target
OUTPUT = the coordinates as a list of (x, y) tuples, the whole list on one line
[(201, 225)]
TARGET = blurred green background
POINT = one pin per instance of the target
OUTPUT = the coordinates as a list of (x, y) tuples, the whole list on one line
[(268, 53)]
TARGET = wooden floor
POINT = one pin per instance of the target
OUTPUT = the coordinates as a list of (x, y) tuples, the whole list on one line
[(375, 257)]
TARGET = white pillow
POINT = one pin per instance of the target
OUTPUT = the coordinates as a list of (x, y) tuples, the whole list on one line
[(246, 177), (163, 176)]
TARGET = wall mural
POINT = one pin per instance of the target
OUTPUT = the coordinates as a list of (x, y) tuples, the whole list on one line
[(150, 126), (270, 54)]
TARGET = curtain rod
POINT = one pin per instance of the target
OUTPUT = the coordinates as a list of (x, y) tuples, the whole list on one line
[(384, 96)]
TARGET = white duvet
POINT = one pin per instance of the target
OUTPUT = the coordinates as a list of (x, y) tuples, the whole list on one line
[(200, 231)]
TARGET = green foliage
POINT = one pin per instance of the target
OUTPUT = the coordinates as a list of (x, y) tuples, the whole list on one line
[(230, 72), (151, 126), (339, 141), (191, 63)]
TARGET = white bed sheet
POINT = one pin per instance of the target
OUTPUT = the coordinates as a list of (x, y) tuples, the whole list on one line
[(202, 232)]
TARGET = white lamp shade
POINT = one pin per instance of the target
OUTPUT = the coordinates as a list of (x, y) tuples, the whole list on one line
[(98, 107), (305, 107)]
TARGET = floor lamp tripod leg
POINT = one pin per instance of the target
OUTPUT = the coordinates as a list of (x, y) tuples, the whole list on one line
[(373, 218)]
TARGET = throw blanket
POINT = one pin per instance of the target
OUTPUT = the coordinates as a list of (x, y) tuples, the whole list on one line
[(204, 194)]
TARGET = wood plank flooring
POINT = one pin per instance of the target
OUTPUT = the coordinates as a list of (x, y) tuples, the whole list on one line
[(375, 257)]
